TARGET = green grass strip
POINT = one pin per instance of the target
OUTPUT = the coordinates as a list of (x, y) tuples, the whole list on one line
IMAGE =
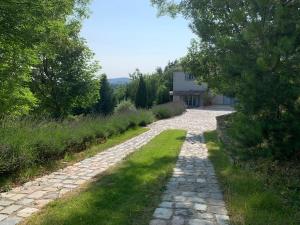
[(247, 198), (70, 158), (126, 194)]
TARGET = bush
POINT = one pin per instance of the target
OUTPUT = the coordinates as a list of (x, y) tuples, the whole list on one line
[(125, 106), (259, 136), (25, 143), (168, 110), (207, 99)]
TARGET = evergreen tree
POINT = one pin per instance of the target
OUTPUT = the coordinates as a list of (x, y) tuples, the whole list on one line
[(106, 103), (151, 87), (141, 94)]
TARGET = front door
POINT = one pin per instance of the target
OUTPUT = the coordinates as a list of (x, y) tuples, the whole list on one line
[(192, 100)]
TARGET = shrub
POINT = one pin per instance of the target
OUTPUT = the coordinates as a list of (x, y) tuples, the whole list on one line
[(207, 99), (28, 142), (168, 110), (243, 137), (125, 106)]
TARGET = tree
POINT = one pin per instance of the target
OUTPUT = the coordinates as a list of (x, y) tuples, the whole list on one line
[(163, 95), (135, 75), (106, 103), (120, 93), (66, 80), (25, 26), (250, 49), (151, 82), (141, 94), (158, 84), (168, 71)]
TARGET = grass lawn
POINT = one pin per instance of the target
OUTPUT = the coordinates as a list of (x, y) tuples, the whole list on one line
[(6, 182), (249, 200), (126, 194)]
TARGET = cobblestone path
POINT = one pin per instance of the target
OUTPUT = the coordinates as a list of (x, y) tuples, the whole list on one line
[(21, 202), (193, 196)]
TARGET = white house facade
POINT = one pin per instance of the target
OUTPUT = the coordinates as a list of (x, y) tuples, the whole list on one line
[(186, 89)]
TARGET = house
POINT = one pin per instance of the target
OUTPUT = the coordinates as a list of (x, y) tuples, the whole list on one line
[(185, 88)]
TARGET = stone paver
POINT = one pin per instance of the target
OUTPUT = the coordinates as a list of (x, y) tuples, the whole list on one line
[(193, 181), (2, 217), (193, 196), (27, 212), (10, 209)]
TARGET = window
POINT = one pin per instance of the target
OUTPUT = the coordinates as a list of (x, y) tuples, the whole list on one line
[(189, 77)]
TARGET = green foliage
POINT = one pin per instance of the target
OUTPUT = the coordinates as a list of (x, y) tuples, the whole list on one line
[(106, 103), (207, 99), (168, 110), (242, 125), (28, 142), (120, 93), (166, 74), (128, 194), (256, 192), (30, 32), (152, 82), (66, 80), (141, 94), (250, 50), (158, 85), (163, 94), (27, 174), (125, 106)]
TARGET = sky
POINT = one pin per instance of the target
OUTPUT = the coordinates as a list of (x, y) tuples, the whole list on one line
[(127, 34)]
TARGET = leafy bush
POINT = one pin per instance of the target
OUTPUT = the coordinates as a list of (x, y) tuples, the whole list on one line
[(125, 106), (168, 110), (28, 142)]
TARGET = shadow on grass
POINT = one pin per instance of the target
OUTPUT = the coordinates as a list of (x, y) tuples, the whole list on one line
[(127, 194), (120, 198), (181, 138)]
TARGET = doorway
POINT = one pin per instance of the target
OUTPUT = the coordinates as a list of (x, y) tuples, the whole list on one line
[(192, 100)]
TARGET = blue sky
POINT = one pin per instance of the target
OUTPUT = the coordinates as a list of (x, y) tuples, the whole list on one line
[(127, 34)]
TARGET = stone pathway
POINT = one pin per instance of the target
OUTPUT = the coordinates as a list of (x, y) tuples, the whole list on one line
[(23, 201), (193, 196)]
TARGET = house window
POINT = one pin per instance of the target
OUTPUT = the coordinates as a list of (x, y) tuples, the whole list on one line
[(189, 77)]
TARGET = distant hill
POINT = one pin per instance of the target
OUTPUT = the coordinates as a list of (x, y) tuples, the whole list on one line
[(119, 81)]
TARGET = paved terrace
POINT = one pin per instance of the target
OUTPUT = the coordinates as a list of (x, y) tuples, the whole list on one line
[(193, 196)]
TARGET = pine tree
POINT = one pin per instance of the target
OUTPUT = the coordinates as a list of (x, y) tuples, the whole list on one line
[(106, 102), (141, 94)]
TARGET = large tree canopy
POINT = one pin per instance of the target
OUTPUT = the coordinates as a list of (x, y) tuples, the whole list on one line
[(26, 27), (66, 80), (250, 49)]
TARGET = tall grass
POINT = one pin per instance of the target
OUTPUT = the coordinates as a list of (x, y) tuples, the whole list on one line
[(255, 191), (27, 142), (168, 110)]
